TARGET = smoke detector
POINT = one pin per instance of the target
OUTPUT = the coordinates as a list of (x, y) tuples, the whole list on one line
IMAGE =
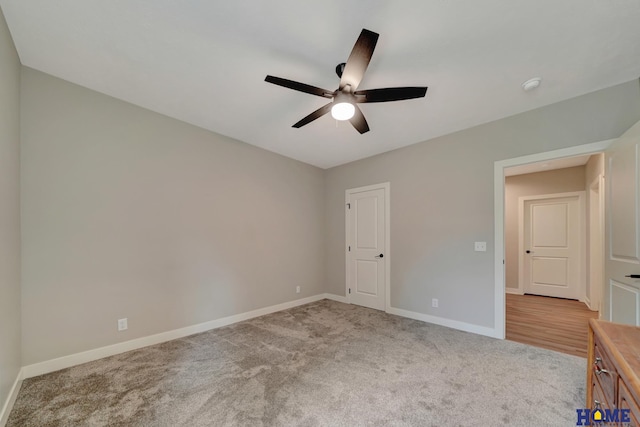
[(531, 84)]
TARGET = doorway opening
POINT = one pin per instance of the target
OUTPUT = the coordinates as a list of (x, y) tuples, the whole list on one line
[(508, 286), (546, 252)]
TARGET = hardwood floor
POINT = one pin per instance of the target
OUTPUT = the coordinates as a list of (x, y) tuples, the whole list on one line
[(552, 323)]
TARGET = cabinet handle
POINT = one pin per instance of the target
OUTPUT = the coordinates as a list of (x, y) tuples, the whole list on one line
[(597, 368)]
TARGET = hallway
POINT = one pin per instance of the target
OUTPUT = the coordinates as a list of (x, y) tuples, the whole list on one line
[(552, 323)]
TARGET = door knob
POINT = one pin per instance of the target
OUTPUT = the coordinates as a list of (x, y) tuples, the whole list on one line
[(379, 256)]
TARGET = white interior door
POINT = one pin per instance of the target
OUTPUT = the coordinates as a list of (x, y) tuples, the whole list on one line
[(552, 241), (622, 231), (367, 248)]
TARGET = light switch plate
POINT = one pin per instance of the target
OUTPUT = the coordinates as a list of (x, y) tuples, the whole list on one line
[(481, 246)]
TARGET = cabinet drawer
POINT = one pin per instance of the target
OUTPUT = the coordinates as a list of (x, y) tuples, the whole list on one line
[(600, 400), (605, 373), (625, 401)]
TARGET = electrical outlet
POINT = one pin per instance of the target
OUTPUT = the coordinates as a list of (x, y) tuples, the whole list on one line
[(481, 246), (434, 303), (297, 289), (122, 324)]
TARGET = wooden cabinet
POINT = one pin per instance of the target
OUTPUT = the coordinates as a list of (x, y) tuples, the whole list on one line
[(613, 372)]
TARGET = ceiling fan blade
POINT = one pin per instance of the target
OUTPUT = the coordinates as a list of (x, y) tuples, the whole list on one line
[(358, 121), (301, 87), (359, 59), (390, 94), (315, 115)]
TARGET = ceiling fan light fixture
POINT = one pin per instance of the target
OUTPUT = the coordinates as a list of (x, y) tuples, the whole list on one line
[(344, 99), (343, 111)]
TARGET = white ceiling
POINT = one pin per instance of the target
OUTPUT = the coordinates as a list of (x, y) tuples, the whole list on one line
[(204, 62)]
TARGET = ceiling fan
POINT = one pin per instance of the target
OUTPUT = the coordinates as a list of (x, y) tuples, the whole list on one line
[(344, 99)]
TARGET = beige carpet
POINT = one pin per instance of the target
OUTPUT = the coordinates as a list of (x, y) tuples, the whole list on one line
[(322, 364)]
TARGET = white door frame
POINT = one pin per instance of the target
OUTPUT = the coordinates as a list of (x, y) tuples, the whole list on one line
[(498, 206), (596, 249), (386, 186), (583, 251)]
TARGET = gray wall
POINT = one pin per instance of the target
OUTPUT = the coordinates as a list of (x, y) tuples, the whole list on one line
[(531, 184), (9, 212), (128, 213), (442, 200)]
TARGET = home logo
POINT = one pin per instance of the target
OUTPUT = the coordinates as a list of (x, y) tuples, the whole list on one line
[(587, 417)]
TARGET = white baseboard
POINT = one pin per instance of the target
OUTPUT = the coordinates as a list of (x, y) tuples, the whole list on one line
[(11, 399), (463, 326), (110, 350), (515, 291), (335, 297), (99, 353), (455, 324), (587, 302)]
